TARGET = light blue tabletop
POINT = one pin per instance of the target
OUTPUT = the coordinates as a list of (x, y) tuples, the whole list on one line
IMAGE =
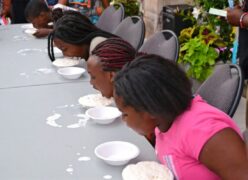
[(24, 60)]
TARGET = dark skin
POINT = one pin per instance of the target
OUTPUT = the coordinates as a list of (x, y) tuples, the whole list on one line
[(234, 14), (224, 153), (100, 80), (71, 50), (41, 24)]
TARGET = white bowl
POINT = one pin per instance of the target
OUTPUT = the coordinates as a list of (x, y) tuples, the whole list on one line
[(147, 170), (103, 114), (30, 31), (71, 72), (65, 62), (94, 100), (117, 153)]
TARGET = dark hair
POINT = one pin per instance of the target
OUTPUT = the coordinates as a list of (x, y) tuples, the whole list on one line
[(114, 53), (34, 8), (155, 85), (74, 28)]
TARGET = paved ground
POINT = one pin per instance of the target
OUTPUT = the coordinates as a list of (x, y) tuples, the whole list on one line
[(239, 116)]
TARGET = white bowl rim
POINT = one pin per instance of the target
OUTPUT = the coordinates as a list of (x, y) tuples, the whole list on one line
[(76, 62), (92, 95), (79, 69), (103, 107), (137, 151)]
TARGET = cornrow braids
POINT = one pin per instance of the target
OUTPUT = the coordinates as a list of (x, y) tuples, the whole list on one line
[(75, 28), (114, 53)]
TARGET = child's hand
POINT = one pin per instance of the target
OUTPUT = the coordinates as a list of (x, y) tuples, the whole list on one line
[(43, 32)]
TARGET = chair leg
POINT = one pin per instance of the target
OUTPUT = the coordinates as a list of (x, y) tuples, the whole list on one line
[(246, 114)]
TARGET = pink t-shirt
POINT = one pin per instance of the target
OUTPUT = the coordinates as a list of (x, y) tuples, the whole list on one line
[(179, 148)]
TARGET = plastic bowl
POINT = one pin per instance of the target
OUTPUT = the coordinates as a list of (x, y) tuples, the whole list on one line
[(71, 72), (103, 114), (30, 31), (117, 153), (65, 62), (94, 100)]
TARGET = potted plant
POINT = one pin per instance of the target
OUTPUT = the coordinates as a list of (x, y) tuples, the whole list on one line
[(209, 40), (198, 50)]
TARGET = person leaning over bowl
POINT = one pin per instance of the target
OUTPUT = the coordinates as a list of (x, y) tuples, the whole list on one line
[(75, 36), (106, 59), (38, 13), (194, 140)]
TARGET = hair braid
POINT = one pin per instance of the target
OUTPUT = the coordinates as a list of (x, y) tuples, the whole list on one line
[(50, 47), (75, 28), (114, 53)]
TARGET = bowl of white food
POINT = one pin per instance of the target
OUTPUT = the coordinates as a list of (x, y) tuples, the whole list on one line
[(71, 72), (103, 114), (94, 100), (117, 153), (30, 31), (147, 170), (66, 62)]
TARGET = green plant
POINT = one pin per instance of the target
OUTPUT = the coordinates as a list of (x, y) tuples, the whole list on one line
[(197, 51), (207, 41), (131, 6)]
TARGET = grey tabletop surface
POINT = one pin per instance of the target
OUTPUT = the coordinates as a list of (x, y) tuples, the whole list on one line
[(31, 149), (24, 60)]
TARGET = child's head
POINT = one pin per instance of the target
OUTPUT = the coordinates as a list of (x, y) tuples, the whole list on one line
[(72, 34), (107, 58), (151, 92), (38, 13)]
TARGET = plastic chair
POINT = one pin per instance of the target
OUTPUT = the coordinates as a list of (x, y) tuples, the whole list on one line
[(132, 29), (111, 17), (164, 43), (223, 89)]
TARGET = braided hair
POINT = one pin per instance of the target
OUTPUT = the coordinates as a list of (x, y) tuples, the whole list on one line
[(74, 28), (114, 53), (155, 85)]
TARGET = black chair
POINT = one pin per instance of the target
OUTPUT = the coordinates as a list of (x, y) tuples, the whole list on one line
[(164, 43), (111, 17), (132, 29), (223, 89)]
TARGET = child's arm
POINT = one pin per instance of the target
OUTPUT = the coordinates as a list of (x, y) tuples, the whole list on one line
[(6, 8), (225, 154)]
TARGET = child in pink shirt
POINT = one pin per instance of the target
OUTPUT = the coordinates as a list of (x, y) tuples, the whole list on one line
[(179, 148), (193, 139)]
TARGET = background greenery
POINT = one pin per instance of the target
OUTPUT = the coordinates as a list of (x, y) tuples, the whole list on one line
[(210, 39), (131, 6)]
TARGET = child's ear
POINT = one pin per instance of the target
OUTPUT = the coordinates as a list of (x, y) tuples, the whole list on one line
[(111, 76)]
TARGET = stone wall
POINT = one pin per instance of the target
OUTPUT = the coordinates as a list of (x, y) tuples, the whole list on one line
[(152, 11)]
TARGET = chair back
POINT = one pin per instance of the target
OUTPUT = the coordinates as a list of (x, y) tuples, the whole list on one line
[(111, 18), (132, 29), (223, 89), (164, 43)]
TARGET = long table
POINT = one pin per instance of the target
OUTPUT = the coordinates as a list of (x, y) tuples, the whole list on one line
[(33, 148), (24, 60)]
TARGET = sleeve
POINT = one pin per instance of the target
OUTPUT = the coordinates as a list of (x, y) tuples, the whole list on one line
[(199, 133)]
